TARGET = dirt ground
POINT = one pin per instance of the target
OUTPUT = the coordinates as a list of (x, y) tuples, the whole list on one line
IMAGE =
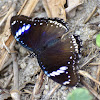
[(28, 67)]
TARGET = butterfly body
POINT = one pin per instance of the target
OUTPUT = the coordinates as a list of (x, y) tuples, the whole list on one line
[(57, 58)]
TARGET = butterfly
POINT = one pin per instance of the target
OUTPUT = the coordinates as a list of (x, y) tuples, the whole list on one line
[(57, 57)]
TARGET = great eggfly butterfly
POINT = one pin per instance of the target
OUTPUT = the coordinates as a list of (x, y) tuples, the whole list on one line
[(57, 57)]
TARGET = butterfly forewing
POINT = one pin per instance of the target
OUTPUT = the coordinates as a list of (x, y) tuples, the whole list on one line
[(34, 33)]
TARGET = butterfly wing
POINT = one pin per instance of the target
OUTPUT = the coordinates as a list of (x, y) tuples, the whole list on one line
[(59, 62), (57, 58), (35, 34)]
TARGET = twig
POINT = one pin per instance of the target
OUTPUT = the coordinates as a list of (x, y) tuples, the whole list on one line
[(8, 81), (94, 64), (97, 77), (24, 84), (90, 15), (46, 8), (9, 12), (27, 91), (67, 33), (30, 5), (6, 34), (38, 85), (51, 92), (4, 56), (88, 61), (6, 64), (85, 74), (4, 45), (91, 90), (22, 7), (15, 91)]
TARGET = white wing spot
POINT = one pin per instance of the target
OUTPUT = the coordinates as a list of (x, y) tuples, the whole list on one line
[(34, 24), (17, 34), (71, 46), (74, 41), (56, 22), (69, 80), (63, 68), (60, 25), (21, 22), (66, 72), (66, 82), (68, 62), (14, 22), (27, 27), (76, 47), (68, 76), (60, 71), (70, 57), (41, 23), (21, 30)]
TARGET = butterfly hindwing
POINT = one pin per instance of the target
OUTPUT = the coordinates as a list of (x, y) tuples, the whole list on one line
[(60, 63)]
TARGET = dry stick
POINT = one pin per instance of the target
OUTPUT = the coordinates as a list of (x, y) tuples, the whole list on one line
[(46, 8), (15, 91), (9, 12), (24, 84), (4, 56), (6, 64), (94, 64), (91, 90), (62, 37), (97, 77), (85, 74), (4, 45), (90, 15), (51, 92), (8, 81), (4, 53), (27, 91), (30, 5), (38, 85), (88, 61), (22, 7)]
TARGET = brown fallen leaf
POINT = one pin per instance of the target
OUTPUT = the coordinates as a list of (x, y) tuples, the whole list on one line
[(4, 55), (72, 5), (55, 8)]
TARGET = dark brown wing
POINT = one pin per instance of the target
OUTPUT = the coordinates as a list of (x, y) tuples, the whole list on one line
[(57, 58), (35, 34), (59, 61)]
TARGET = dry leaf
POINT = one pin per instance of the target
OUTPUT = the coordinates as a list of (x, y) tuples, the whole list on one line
[(55, 8), (72, 5)]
